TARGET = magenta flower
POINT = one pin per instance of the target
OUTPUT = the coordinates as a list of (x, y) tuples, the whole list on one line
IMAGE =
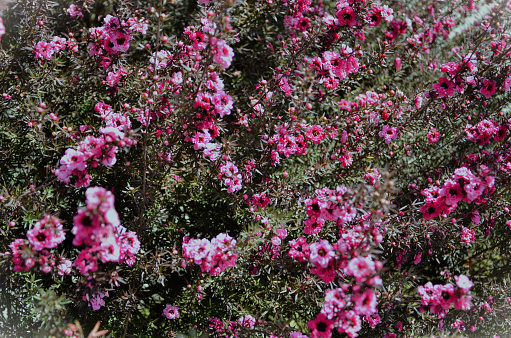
[(321, 253), (388, 133), (315, 134), (361, 268), (73, 159), (365, 303), (43, 50), (321, 327), (46, 234), (444, 87), (488, 88), (223, 54), (346, 16), (171, 312), (433, 135), (313, 225)]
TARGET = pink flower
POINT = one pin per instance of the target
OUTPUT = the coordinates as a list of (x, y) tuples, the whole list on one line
[(111, 23), (73, 159), (299, 249), (350, 324), (463, 282), (43, 50), (321, 327), (46, 234), (334, 63), (58, 43), (161, 59), (223, 103), (17, 246), (86, 261), (130, 246), (388, 133), (431, 210), (171, 312), (233, 183), (361, 268), (223, 54), (109, 249), (365, 303), (2, 28), (468, 235), (452, 192), (346, 16), (97, 300), (197, 250), (115, 40), (321, 253), (372, 176), (433, 135), (335, 302), (507, 84), (313, 225), (315, 134), (74, 11), (374, 17), (399, 65), (444, 87), (64, 268), (488, 88)]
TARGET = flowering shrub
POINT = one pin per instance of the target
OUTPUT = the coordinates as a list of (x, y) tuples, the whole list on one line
[(273, 168)]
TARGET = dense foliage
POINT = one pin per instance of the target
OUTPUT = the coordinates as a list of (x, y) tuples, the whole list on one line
[(266, 168)]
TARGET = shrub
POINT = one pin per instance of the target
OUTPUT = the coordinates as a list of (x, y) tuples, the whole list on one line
[(255, 168)]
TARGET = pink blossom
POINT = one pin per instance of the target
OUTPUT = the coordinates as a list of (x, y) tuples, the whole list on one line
[(463, 282), (171, 311), (64, 268), (388, 133), (444, 87), (43, 50), (433, 135), (321, 327), (488, 88), (2, 28), (361, 268), (365, 303), (223, 103), (313, 225), (346, 16), (468, 235), (315, 134), (321, 253), (46, 234), (399, 65), (223, 54), (73, 159)]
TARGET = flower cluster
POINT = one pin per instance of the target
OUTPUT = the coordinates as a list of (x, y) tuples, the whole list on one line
[(98, 227), (94, 150), (484, 130), (46, 234), (213, 256), (328, 205), (115, 35), (232, 328), (438, 299), (46, 50), (344, 306), (463, 186)]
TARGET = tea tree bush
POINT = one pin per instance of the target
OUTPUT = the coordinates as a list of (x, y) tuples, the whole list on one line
[(241, 168)]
